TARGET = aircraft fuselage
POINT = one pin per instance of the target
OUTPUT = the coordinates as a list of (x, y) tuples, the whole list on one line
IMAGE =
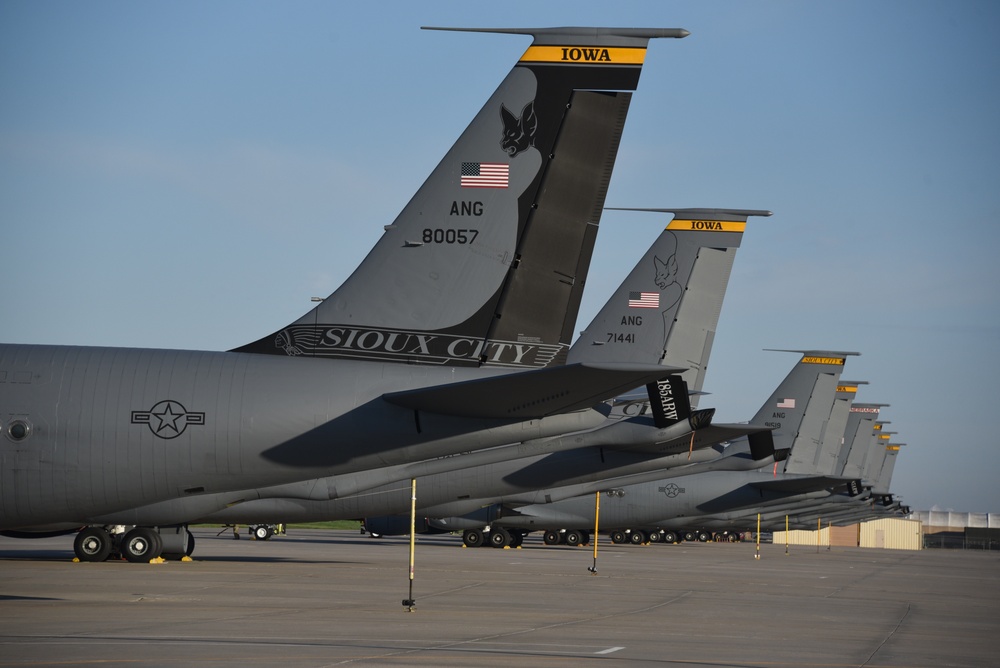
[(88, 431)]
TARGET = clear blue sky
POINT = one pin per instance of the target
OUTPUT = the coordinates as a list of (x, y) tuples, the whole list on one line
[(189, 174)]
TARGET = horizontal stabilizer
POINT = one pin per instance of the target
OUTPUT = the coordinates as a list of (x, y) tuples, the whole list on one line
[(802, 485), (721, 433), (531, 394)]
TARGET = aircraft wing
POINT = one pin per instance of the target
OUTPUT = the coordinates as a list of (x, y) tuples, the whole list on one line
[(802, 485), (531, 394)]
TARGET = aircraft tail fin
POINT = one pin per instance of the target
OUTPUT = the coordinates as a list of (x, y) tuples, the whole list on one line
[(819, 455), (858, 437), (880, 485), (668, 307), (799, 408), (836, 445), (486, 263)]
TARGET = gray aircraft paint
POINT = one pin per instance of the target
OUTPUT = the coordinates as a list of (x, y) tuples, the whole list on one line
[(860, 427), (100, 429), (527, 467), (820, 455), (808, 389), (496, 265)]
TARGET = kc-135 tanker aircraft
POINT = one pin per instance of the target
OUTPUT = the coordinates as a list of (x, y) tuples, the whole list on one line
[(445, 356), (450, 336), (666, 312)]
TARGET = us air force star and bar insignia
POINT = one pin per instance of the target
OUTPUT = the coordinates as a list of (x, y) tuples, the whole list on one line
[(167, 419), (672, 490)]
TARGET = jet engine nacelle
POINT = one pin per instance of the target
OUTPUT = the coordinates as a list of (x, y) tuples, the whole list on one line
[(474, 520)]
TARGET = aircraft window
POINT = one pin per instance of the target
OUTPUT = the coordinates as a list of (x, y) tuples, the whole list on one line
[(18, 430)]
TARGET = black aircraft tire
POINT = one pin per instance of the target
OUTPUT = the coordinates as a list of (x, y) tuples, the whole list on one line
[(262, 532), (704, 536), (618, 537), (92, 544), (637, 538), (655, 537), (670, 537), (499, 538), (472, 538), (574, 538), (141, 544), (516, 538), (552, 538)]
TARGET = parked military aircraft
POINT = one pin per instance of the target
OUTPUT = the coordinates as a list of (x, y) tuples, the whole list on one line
[(848, 504), (846, 508), (699, 247), (797, 411), (438, 343)]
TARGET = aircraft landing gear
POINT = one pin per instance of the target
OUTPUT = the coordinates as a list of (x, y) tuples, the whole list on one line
[(135, 544), (141, 544)]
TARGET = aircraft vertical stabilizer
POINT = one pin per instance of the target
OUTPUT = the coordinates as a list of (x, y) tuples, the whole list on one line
[(825, 459), (880, 484), (486, 263), (667, 309), (799, 407), (858, 436)]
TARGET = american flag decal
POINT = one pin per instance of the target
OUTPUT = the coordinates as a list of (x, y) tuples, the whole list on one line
[(786, 403), (485, 175), (644, 300)]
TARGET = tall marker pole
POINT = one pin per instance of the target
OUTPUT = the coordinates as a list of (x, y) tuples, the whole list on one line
[(757, 553), (597, 524), (409, 602)]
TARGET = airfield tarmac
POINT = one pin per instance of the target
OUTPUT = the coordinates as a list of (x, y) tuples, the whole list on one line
[(326, 598)]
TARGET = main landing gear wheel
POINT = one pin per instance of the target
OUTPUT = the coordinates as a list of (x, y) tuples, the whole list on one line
[(637, 537), (618, 537), (141, 544), (262, 532), (670, 537), (574, 537), (473, 538), (92, 544), (552, 538), (499, 537)]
